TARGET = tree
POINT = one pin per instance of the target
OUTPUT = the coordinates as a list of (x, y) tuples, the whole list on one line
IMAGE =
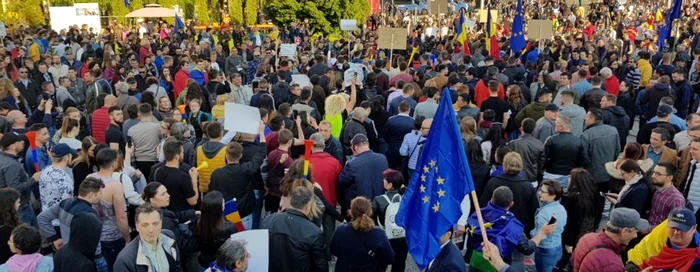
[(251, 12), (201, 14), (235, 10), (25, 12), (118, 9), (135, 4), (323, 15)]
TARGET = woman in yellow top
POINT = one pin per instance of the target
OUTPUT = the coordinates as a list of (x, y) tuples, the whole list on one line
[(218, 111), (338, 107)]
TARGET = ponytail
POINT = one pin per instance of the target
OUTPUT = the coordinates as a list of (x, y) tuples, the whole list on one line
[(361, 211)]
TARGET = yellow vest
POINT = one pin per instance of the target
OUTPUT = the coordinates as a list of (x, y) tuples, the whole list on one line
[(336, 124), (216, 162)]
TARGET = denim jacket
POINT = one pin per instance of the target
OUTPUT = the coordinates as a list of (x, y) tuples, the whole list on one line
[(542, 217)]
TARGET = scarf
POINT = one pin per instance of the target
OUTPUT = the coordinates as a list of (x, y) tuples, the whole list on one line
[(678, 259), (627, 186)]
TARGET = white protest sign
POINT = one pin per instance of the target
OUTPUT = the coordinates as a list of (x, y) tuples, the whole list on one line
[(241, 118), (430, 31), (348, 24), (3, 30), (258, 246), (469, 23), (288, 50), (302, 80)]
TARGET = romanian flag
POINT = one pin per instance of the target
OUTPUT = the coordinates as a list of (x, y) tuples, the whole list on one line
[(653, 251), (232, 215), (491, 40), (462, 34)]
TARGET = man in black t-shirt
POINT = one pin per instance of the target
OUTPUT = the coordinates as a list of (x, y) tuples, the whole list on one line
[(499, 106), (114, 136), (182, 187)]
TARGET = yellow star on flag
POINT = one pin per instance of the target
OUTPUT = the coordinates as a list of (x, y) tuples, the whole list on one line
[(426, 169), (422, 177), (441, 193), (426, 199), (432, 163), (436, 207), (422, 188), (440, 180)]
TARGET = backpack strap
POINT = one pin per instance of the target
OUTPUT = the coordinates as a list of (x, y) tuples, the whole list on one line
[(394, 197)]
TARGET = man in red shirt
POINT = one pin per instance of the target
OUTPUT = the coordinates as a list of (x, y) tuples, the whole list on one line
[(100, 119), (612, 84), (325, 170), (144, 51), (482, 87)]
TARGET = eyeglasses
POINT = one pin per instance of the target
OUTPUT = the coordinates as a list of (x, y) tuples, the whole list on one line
[(655, 173), (22, 72)]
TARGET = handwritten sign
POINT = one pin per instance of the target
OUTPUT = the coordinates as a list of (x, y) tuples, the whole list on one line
[(392, 38), (288, 50)]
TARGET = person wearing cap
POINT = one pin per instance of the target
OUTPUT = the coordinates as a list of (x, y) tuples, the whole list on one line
[(663, 113), (672, 245), (599, 251), (536, 109), (545, 125), (362, 175), (15, 176), (55, 183), (668, 100)]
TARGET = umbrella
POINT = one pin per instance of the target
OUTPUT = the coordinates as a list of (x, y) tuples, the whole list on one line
[(152, 11)]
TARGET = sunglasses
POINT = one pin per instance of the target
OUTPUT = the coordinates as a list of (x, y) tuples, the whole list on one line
[(22, 72)]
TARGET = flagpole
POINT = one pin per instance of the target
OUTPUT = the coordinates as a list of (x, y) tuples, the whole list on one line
[(475, 200)]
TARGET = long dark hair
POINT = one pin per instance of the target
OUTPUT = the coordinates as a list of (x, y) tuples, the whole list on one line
[(497, 137), (8, 214), (582, 189), (474, 153), (210, 226)]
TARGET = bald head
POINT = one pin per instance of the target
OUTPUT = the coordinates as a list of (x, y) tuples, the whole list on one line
[(425, 126), (110, 101), (16, 118)]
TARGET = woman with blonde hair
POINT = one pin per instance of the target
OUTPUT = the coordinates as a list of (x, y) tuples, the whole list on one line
[(353, 242), (70, 130), (217, 112), (467, 129), (338, 106)]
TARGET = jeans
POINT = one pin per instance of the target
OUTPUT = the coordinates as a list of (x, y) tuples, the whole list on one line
[(26, 215), (257, 211), (547, 258), (110, 250), (562, 179), (101, 264), (517, 261)]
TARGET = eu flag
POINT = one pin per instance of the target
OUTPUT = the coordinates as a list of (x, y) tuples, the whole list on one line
[(178, 23), (517, 38), (665, 30), (430, 206)]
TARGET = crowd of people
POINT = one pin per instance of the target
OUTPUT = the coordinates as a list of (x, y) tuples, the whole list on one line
[(115, 157)]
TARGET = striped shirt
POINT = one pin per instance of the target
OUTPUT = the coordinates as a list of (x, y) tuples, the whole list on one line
[(662, 203), (633, 77)]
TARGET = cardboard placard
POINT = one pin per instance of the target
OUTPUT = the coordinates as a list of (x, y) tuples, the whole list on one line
[(302, 80), (288, 50), (3, 30), (392, 38), (241, 118), (540, 29), (483, 17), (438, 7), (348, 24)]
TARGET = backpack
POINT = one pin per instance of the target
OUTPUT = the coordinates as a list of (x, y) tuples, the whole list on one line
[(392, 230)]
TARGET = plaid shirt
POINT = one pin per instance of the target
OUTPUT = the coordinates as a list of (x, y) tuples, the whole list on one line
[(252, 69), (662, 204)]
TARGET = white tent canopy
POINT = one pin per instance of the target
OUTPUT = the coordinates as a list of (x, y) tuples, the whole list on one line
[(152, 11)]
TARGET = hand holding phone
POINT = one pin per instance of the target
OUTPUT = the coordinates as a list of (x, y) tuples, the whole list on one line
[(552, 220)]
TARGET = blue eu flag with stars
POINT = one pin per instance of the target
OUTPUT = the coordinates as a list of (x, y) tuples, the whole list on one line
[(517, 38), (431, 204)]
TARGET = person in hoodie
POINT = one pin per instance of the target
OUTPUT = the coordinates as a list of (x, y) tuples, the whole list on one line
[(615, 116), (681, 93), (79, 253), (536, 109), (653, 96), (482, 87), (25, 243)]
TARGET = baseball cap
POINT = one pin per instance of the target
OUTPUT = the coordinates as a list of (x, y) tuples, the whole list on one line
[(551, 107), (61, 150), (358, 139), (130, 80), (664, 110), (627, 218), (682, 219), (10, 138)]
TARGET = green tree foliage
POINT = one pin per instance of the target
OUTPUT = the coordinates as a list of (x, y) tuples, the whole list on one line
[(201, 13), (25, 12), (117, 9), (235, 10), (251, 12), (135, 4), (324, 15)]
